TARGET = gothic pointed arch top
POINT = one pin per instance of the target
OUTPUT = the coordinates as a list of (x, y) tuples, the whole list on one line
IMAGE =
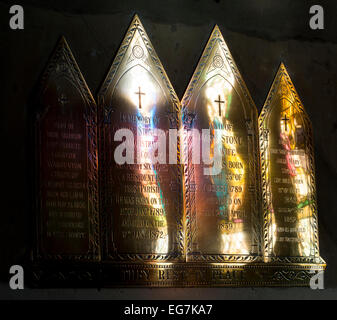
[(66, 138), (216, 59), (221, 209), (283, 89), (288, 176), (137, 49), (62, 64), (138, 96)]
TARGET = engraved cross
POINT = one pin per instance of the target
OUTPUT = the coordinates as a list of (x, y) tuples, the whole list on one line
[(219, 101), (285, 119), (140, 97), (63, 99)]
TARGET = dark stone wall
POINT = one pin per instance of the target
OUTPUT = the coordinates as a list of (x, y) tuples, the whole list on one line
[(259, 33)]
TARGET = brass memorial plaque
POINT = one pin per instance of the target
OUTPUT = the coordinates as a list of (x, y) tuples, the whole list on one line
[(141, 199), (288, 176), (66, 154), (184, 194), (220, 150)]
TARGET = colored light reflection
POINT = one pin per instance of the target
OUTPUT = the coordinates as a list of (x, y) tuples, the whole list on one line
[(290, 209), (144, 95), (219, 96), (141, 90)]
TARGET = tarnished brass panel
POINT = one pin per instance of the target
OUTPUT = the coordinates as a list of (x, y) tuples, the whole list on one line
[(288, 176), (141, 202), (222, 216), (66, 154)]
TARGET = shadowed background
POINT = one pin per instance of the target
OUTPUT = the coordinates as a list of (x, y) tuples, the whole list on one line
[(260, 34)]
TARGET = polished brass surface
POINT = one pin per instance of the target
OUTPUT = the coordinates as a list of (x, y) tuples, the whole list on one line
[(186, 222), (222, 210), (66, 158), (141, 203), (288, 176)]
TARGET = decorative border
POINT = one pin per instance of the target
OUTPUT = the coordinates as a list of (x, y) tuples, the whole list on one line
[(63, 64), (266, 192), (208, 275), (164, 275), (215, 37), (136, 25), (252, 132)]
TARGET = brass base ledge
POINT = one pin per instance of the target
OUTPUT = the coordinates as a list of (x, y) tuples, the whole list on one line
[(174, 274)]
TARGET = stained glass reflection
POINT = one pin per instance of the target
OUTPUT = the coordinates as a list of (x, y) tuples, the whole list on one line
[(140, 200), (221, 204), (288, 172)]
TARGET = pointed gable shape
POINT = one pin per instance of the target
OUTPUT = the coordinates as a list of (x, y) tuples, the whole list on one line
[(136, 51), (216, 60), (221, 207), (141, 201), (62, 64), (282, 89), (66, 126), (288, 176)]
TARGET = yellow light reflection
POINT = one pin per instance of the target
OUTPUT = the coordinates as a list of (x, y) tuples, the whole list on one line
[(144, 95), (219, 95), (141, 91), (296, 159)]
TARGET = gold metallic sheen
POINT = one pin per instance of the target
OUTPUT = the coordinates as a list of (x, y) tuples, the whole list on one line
[(170, 225), (288, 176), (141, 203), (222, 210)]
